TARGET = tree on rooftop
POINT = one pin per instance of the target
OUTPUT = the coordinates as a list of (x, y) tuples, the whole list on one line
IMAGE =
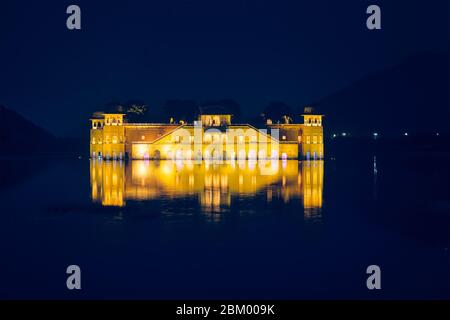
[(228, 106), (181, 110), (278, 111), (135, 110)]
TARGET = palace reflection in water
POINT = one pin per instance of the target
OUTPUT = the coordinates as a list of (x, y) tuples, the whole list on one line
[(216, 186)]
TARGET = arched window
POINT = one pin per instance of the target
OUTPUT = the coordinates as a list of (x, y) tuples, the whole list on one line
[(241, 155)]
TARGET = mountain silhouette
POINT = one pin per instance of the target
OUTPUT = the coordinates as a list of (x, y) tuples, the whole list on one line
[(20, 136), (413, 96)]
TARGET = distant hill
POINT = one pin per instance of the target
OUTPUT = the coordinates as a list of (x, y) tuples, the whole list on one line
[(20, 136), (412, 96)]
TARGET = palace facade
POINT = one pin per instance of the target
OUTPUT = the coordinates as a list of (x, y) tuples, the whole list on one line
[(212, 136)]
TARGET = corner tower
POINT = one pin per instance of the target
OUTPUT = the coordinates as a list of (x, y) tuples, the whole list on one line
[(312, 135), (108, 136)]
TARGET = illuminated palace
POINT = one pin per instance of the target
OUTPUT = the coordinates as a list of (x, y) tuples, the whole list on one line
[(212, 136)]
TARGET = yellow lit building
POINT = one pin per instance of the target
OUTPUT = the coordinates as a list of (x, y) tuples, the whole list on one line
[(212, 136)]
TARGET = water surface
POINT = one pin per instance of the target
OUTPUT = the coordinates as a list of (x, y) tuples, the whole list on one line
[(172, 230)]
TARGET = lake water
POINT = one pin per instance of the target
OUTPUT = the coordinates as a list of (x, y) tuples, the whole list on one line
[(173, 230)]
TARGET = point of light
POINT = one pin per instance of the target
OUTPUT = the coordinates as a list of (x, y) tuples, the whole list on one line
[(344, 134), (405, 134)]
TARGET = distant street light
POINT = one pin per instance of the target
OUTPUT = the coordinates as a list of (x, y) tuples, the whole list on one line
[(344, 134), (405, 134)]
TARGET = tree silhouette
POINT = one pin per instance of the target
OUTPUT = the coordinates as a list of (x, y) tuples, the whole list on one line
[(180, 110), (113, 107), (134, 110), (227, 105), (278, 111), (138, 110)]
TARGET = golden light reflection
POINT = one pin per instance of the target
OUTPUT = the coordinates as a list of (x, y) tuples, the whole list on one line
[(216, 186), (108, 182)]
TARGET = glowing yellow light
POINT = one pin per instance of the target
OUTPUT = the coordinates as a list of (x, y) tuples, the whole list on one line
[(113, 183)]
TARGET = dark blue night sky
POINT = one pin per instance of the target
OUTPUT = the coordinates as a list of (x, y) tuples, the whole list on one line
[(307, 228), (250, 51)]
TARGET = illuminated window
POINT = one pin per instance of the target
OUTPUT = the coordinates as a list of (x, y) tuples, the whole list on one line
[(283, 137), (320, 139), (142, 137), (114, 139), (207, 138), (253, 138), (314, 139), (224, 137), (299, 139), (241, 139), (93, 140), (308, 139), (177, 138)]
